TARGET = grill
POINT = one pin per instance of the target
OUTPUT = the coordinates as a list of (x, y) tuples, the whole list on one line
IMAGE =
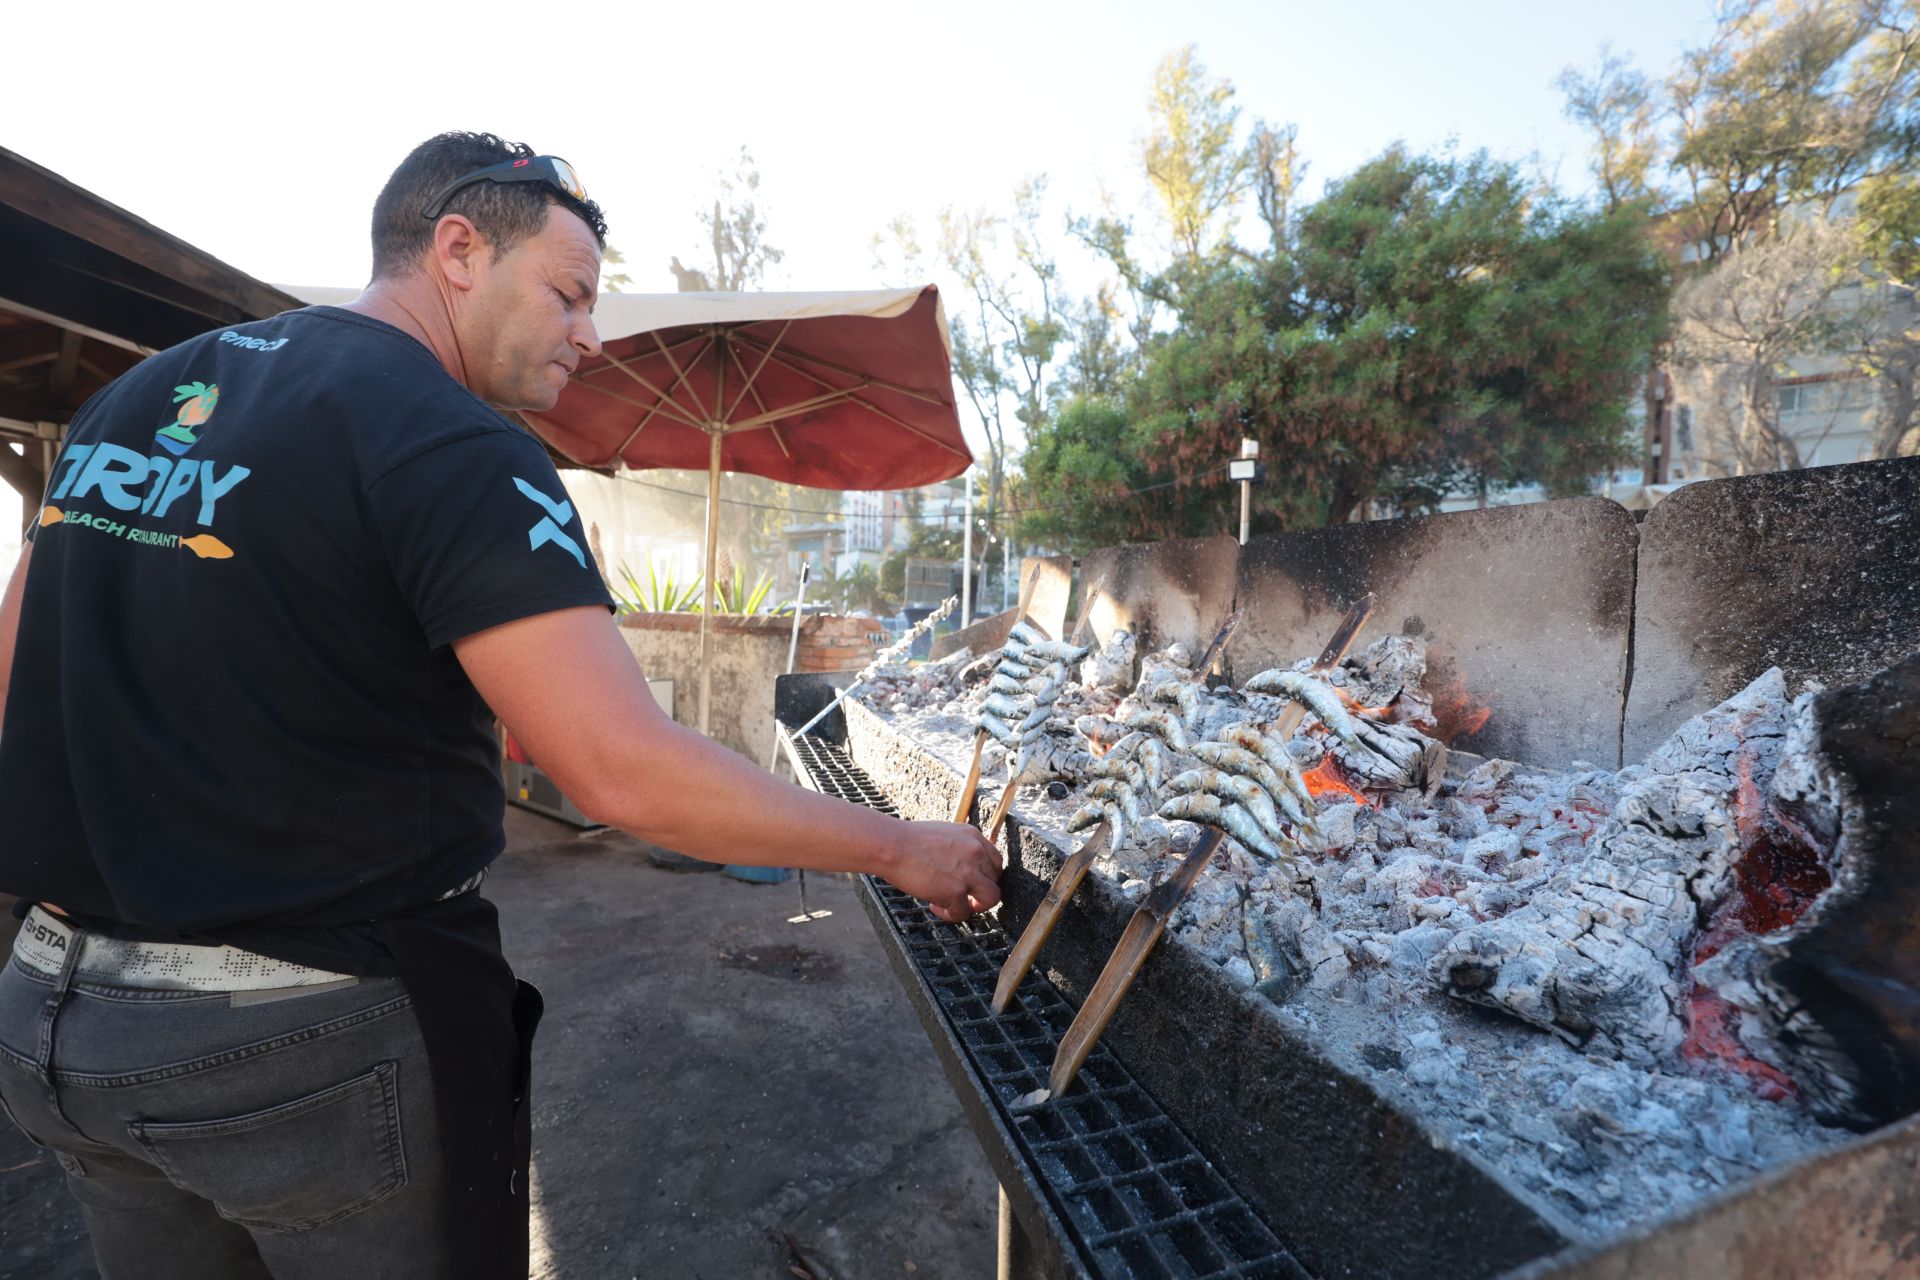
[(1555, 634), (1134, 1194)]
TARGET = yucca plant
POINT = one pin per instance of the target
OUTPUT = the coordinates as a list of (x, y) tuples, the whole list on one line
[(731, 595), (660, 593)]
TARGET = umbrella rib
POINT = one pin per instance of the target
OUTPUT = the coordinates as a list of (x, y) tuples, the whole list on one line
[(666, 397), (750, 389), (697, 335), (882, 383), (682, 376), (799, 406), (648, 417), (765, 355), (526, 417), (667, 407), (904, 425)]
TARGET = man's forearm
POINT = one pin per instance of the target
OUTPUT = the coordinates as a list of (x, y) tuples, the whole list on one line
[(694, 796)]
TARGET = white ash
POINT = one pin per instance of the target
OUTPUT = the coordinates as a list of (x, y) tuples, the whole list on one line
[(905, 687), (1601, 953), (1344, 951), (1111, 665)]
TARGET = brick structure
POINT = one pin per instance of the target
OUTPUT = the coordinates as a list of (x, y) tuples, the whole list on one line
[(830, 642)]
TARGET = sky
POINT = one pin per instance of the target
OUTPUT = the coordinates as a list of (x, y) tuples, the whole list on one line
[(262, 133)]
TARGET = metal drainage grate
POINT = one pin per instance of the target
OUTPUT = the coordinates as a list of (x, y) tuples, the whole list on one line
[(1121, 1173)]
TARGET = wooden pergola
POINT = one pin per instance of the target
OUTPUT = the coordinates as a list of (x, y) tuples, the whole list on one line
[(88, 290)]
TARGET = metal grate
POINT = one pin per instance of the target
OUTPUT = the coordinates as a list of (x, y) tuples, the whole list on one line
[(1122, 1175)]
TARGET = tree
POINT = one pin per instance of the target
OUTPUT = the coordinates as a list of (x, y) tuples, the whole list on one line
[(736, 228), (1007, 321), (1792, 103), (611, 279), (1797, 122), (1615, 104), (1430, 322), (1737, 325), (1193, 157)]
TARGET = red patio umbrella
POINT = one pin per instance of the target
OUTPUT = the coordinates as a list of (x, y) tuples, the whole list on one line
[(830, 390)]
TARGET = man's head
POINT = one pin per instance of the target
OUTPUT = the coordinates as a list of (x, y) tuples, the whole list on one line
[(515, 264)]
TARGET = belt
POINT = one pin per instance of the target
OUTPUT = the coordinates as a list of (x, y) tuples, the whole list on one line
[(44, 942)]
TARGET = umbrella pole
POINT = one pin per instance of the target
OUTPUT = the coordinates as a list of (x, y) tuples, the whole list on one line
[(706, 602)]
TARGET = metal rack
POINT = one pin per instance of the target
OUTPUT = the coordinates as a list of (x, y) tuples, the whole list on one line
[(1103, 1182)]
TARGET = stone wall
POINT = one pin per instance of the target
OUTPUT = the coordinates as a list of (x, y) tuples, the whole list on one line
[(747, 653)]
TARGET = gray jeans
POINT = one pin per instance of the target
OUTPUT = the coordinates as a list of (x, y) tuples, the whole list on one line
[(210, 1136)]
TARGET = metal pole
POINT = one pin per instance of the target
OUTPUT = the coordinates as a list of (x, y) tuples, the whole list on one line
[(1006, 573), (793, 649), (706, 593), (966, 557), (1248, 449)]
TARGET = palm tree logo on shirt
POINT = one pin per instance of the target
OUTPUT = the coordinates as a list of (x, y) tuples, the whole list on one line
[(177, 436)]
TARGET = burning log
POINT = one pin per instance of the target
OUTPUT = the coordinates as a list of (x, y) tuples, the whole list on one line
[(1600, 960), (1833, 999)]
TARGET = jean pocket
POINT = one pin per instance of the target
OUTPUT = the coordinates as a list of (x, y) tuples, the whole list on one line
[(294, 1167)]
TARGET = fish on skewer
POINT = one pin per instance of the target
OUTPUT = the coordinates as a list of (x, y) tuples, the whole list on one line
[(1295, 803), (993, 724), (1149, 921)]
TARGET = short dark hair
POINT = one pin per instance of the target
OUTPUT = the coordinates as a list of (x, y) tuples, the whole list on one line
[(504, 212)]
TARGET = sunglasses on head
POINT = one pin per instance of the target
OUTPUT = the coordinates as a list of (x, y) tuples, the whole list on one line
[(552, 170)]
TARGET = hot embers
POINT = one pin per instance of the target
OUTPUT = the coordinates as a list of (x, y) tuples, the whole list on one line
[(1345, 952)]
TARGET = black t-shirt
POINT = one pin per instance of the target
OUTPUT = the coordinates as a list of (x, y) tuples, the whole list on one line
[(235, 713)]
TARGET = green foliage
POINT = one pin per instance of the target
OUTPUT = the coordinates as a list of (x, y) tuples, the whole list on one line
[(1193, 160), (732, 595), (1431, 322), (663, 593), (660, 593), (862, 589)]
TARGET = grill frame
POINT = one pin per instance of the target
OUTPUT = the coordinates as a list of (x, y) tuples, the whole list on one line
[(1104, 1181)]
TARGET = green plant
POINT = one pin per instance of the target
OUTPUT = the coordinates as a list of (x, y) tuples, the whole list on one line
[(659, 594), (732, 596)]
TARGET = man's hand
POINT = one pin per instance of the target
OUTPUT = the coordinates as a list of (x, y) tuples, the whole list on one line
[(949, 866)]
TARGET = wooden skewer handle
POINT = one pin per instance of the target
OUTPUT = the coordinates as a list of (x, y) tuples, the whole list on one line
[(1136, 943), (992, 829), (964, 810), (1045, 917)]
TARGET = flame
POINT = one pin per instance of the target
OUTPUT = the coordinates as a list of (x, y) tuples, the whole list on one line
[(1354, 706), (1455, 712), (1325, 779)]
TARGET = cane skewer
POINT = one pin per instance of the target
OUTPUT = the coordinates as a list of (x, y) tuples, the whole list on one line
[(1014, 971), (1074, 637), (964, 809), (1143, 930), (1150, 919)]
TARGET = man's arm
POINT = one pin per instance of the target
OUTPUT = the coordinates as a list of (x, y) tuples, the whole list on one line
[(10, 620), (567, 686)]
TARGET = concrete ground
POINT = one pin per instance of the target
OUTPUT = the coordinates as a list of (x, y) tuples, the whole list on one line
[(719, 1094)]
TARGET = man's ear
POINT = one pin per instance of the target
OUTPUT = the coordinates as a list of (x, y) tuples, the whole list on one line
[(458, 247)]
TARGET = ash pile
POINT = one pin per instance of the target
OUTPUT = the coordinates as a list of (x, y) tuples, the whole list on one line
[(1572, 973)]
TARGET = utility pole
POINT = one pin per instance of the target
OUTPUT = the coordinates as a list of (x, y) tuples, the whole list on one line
[(966, 555), (1246, 469)]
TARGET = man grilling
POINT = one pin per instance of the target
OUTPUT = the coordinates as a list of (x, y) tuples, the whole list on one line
[(257, 1007)]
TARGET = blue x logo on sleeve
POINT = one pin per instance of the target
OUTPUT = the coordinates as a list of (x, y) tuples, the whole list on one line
[(548, 528)]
